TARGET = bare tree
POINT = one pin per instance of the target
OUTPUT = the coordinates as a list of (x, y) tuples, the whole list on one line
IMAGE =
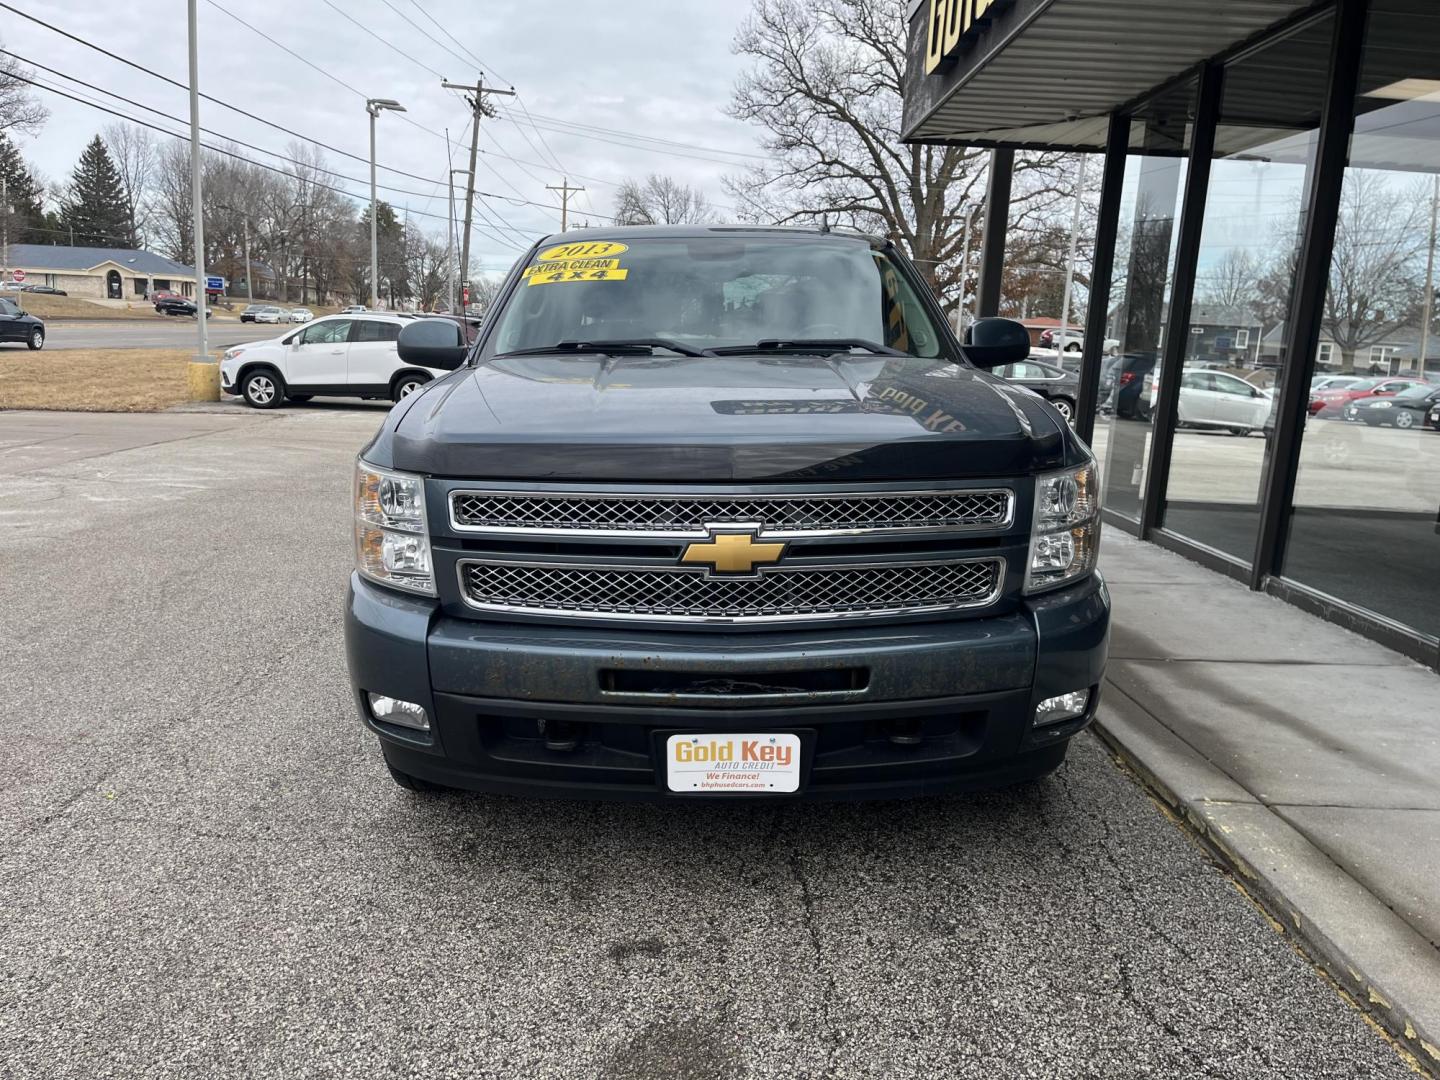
[(1232, 280), (660, 200), (133, 150), (170, 202), (19, 109), (826, 87), (1375, 282)]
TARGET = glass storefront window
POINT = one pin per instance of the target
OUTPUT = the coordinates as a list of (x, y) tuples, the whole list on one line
[(1250, 236), (1140, 292), (1365, 527)]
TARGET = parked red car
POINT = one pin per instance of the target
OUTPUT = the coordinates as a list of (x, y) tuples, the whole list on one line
[(1332, 401)]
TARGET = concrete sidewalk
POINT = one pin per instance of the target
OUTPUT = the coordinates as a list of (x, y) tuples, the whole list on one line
[(1307, 757)]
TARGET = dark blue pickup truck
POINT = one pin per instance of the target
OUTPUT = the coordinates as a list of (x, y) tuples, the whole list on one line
[(725, 512)]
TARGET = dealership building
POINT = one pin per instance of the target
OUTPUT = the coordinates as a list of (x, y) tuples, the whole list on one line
[(1292, 150)]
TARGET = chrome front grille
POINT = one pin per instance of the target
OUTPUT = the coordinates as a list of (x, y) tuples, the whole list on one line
[(774, 594), (780, 516)]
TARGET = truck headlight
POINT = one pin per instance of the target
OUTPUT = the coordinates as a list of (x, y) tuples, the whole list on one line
[(1065, 534), (391, 544)]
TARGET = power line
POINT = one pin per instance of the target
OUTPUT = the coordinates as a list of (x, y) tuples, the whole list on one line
[(213, 100), (335, 79), (458, 43), (409, 22), (238, 142), (617, 133), (222, 151), (377, 37)]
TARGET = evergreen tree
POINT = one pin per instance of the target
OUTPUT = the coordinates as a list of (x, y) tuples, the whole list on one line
[(24, 203), (95, 204)]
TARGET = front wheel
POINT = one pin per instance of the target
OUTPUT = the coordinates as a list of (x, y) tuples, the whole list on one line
[(36, 339), (1404, 419), (408, 385), (1241, 431), (1065, 407), (1074, 346), (262, 390)]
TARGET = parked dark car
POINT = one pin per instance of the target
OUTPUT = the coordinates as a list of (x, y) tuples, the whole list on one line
[(46, 289), (471, 323), (1407, 409), (1060, 388), (178, 305), (18, 325), (251, 310)]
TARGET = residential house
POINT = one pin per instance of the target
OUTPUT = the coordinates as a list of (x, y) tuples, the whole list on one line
[(100, 273)]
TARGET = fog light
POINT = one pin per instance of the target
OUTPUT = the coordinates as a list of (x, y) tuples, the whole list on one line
[(391, 710), (1064, 707)]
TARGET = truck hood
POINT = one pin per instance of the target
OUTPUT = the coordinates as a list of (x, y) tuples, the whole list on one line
[(755, 418)]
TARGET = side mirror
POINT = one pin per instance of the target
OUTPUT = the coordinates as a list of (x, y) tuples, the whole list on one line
[(992, 343), (433, 343)]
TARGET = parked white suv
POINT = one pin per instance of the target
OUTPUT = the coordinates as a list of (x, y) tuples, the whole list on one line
[(339, 355)]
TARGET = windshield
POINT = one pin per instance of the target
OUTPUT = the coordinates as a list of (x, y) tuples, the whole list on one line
[(1418, 392), (1363, 384), (716, 291)]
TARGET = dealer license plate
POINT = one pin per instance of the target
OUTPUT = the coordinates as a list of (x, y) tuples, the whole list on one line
[(732, 764)]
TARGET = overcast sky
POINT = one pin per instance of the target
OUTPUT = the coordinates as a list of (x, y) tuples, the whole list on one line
[(635, 66)]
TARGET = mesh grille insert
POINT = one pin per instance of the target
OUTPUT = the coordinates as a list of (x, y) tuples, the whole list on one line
[(956, 510), (664, 592)]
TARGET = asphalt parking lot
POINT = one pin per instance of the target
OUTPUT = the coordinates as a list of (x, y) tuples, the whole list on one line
[(206, 872)]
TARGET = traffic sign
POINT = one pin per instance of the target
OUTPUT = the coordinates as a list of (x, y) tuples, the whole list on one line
[(18, 275)]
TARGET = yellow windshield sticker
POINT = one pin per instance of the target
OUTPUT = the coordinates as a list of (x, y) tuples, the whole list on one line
[(573, 264), (583, 249), (560, 273)]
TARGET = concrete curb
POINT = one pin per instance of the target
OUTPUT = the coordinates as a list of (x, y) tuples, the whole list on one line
[(1368, 950)]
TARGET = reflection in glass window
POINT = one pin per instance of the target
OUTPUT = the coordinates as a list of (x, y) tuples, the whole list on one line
[(1366, 522), (1250, 238), (1140, 292)]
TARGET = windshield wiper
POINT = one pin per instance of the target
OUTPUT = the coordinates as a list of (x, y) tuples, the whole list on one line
[(606, 348), (819, 346)]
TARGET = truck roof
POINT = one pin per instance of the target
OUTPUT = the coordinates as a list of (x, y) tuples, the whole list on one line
[(629, 232)]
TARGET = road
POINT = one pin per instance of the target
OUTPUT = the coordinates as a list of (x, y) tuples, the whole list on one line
[(159, 333), (205, 870)]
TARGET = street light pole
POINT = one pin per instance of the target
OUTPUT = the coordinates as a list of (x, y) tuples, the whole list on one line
[(969, 211), (374, 106), (1064, 331), (197, 197)]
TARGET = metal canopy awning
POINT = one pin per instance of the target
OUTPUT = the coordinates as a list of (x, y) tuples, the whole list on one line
[(1049, 72)]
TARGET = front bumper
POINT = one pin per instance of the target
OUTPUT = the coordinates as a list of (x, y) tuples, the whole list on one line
[(941, 706)]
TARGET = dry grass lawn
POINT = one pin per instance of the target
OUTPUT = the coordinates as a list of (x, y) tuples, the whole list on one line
[(75, 307), (94, 380)]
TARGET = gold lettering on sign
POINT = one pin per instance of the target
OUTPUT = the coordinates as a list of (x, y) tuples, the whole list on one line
[(950, 22)]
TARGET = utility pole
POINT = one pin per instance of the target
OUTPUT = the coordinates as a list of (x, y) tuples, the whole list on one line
[(475, 96), (1064, 331), (5, 240), (565, 192), (197, 195)]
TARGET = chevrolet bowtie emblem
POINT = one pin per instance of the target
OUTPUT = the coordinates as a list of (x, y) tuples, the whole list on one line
[(733, 553)]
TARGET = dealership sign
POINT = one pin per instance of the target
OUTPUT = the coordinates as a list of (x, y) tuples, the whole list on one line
[(953, 25)]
